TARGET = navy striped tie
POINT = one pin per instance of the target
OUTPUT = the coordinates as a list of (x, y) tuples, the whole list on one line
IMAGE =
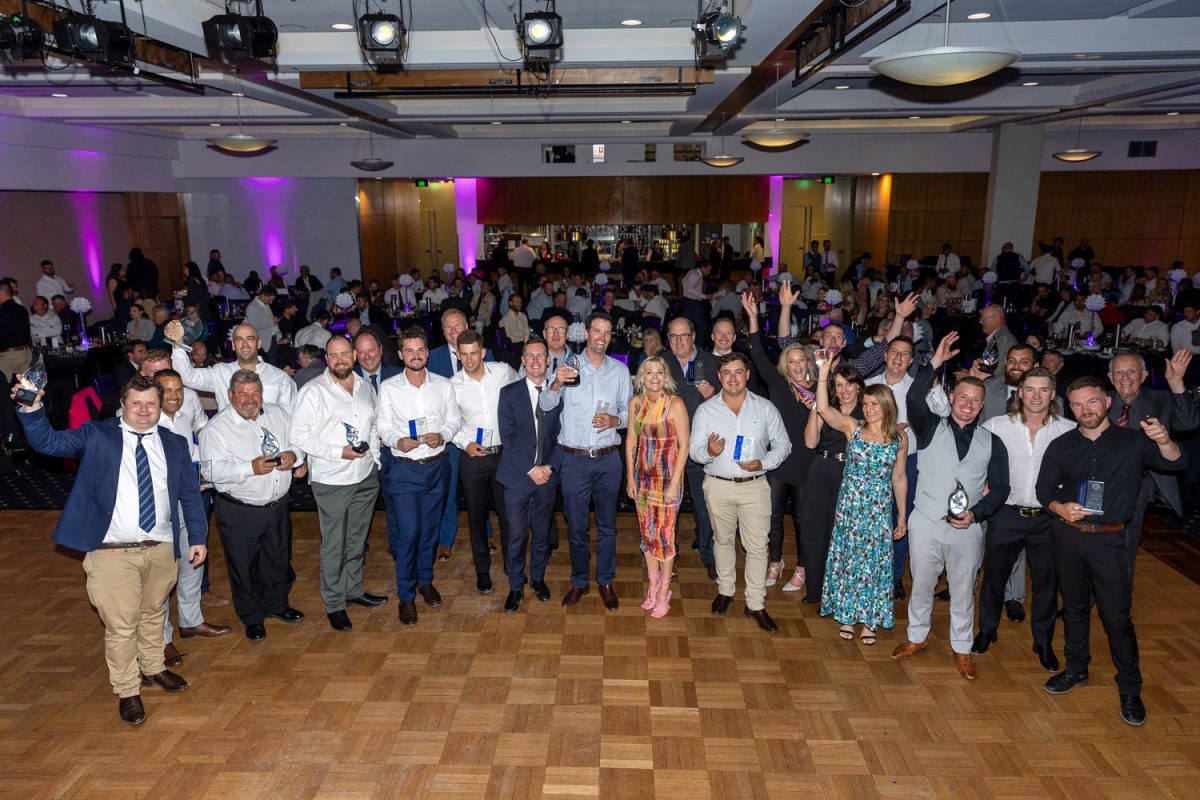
[(146, 513)]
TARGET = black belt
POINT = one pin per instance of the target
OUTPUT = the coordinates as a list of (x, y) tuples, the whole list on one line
[(492, 451), (142, 545), (230, 499), (429, 460), (597, 453), (1028, 512), (835, 456), (736, 480)]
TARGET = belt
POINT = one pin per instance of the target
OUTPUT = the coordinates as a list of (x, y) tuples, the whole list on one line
[(142, 545), (429, 460), (737, 480), (231, 499), (1028, 512), (492, 451), (597, 453), (1091, 527), (15, 349), (835, 456)]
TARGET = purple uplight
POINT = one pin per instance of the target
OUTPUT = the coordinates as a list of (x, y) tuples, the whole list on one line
[(88, 221), (265, 180), (775, 217), (470, 232)]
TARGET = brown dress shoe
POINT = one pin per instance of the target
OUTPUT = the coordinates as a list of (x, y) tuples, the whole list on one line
[(203, 629), (608, 596), (763, 619), (212, 600), (906, 650), (720, 604), (430, 595), (572, 596), (408, 612), (166, 680), (965, 665), (171, 656), (131, 710), (443, 552)]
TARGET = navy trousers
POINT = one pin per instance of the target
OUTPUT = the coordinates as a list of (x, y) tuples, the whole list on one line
[(529, 513), (597, 481), (418, 493)]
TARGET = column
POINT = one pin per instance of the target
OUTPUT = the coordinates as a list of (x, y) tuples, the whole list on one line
[(1013, 189)]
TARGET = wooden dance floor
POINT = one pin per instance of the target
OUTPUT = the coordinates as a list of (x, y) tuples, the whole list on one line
[(574, 704)]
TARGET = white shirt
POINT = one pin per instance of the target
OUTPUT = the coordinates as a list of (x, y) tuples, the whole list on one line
[(580, 306), (313, 334), (50, 285), (663, 286), (1072, 315), (657, 307), (229, 443), (539, 303), (323, 408), (523, 257), (433, 401), (758, 420), (1181, 336), (948, 264), (900, 392), (278, 387), (477, 402), (434, 297), (1024, 455), (46, 326), (188, 421), (693, 284), (123, 528), (1140, 329), (1044, 267), (830, 260)]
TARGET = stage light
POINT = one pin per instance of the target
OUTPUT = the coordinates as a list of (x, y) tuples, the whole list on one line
[(21, 38), (381, 36), (95, 39), (717, 33), (541, 34), (233, 36)]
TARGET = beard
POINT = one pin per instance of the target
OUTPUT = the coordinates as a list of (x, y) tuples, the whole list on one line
[(1091, 422), (341, 373), (1013, 377)]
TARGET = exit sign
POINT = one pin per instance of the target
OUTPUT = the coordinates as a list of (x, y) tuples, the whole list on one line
[(421, 183), (827, 179)]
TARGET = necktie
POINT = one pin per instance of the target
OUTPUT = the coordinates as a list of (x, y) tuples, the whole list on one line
[(538, 416), (457, 363), (375, 382), (1123, 419), (146, 513)]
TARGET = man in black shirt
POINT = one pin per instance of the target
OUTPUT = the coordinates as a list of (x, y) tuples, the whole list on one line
[(14, 333), (1089, 481)]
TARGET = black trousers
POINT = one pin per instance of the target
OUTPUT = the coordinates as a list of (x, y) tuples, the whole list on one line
[(530, 511), (1133, 531), (781, 492), (1096, 562), (256, 541), (1007, 533), (481, 491)]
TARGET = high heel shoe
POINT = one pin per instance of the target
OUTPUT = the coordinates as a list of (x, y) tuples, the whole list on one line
[(796, 583), (664, 599), (773, 571), (652, 592)]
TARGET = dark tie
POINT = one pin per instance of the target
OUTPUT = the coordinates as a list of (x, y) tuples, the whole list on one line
[(457, 365), (146, 514), (375, 382), (538, 416), (1123, 419), (553, 368)]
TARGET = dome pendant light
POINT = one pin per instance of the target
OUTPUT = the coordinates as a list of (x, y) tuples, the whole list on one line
[(1077, 154), (240, 143), (775, 139), (722, 159), (372, 163), (948, 65)]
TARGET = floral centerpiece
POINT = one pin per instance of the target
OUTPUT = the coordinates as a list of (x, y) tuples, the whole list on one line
[(81, 306)]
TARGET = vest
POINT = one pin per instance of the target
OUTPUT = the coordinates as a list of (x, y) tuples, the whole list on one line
[(1008, 267), (939, 467)]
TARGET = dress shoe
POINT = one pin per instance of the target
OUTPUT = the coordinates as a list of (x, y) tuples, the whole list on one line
[(213, 600), (965, 665), (712, 572), (368, 600), (166, 680), (1064, 682), (171, 656), (204, 629), (1046, 657), (256, 633), (572, 597), (443, 553), (484, 584), (943, 595), (512, 603), (906, 650), (720, 604), (408, 612), (1132, 710), (762, 619), (898, 592), (1014, 609), (608, 596), (288, 615), (541, 591), (339, 621), (982, 642), (430, 594), (131, 710)]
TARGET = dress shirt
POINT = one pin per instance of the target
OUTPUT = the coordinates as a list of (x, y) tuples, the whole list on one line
[(1044, 269), (693, 284), (608, 382), (317, 428), (188, 421), (581, 307), (278, 387), (515, 325), (730, 302), (829, 261), (259, 315), (1071, 315), (478, 400), (900, 393), (657, 307), (539, 303), (229, 443), (1025, 456), (46, 326), (523, 257), (400, 401), (758, 420), (1181, 336), (948, 264), (124, 526), (1140, 329), (313, 334), (336, 285), (50, 285), (434, 298), (664, 288)]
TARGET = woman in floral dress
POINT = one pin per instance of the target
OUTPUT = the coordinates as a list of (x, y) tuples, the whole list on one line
[(858, 571)]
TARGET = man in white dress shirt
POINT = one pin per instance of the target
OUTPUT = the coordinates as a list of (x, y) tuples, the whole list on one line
[(277, 386), (247, 455), (1183, 332), (315, 333), (948, 262), (1076, 314), (735, 487), (1150, 326), (50, 284), (334, 424), (418, 415), (44, 324), (477, 390)]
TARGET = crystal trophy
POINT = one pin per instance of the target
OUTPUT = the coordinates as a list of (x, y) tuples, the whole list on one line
[(572, 361), (744, 449), (1091, 496), (32, 381), (270, 447), (176, 327), (988, 361), (353, 440), (417, 428), (958, 502)]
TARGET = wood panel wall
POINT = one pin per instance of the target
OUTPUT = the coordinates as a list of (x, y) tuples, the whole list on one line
[(389, 228), (158, 225), (927, 210)]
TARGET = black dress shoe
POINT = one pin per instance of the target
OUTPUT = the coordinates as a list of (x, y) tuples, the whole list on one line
[(339, 620), (898, 592), (256, 633), (712, 572), (1064, 682), (1046, 657), (943, 595), (1014, 609), (512, 603), (541, 591), (1132, 710), (289, 614), (131, 710), (430, 595), (408, 612), (763, 619), (609, 596), (368, 600), (720, 604), (484, 584), (982, 642)]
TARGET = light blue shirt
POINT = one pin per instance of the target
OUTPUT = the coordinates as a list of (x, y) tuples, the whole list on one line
[(609, 383)]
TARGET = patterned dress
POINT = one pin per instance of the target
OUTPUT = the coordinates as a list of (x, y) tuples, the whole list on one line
[(653, 467), (858, 571)]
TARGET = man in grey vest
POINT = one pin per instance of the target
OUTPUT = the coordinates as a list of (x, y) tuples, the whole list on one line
[(954, 457)]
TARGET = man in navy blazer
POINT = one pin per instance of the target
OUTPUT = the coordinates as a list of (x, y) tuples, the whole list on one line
[(370, 364), (134, 480), (528, 470)]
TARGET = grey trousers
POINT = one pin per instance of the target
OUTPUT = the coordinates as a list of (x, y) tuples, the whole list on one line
[(345, 514), (187, 592), (935, 546)]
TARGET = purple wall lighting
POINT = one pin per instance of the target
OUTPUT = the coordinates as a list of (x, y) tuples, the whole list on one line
[(88, 223), (270, 200), (470, 232), (775, 217)]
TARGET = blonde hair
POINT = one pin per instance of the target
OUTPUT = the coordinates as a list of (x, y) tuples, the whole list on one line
[(887, 405), (783, 359), (668, 382)]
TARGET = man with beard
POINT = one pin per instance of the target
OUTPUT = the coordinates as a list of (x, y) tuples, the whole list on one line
[(1090, 481), (277, 386)]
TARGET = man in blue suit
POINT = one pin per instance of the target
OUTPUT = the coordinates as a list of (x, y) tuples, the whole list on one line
[(528, 471), (124, 514), (370, 364)]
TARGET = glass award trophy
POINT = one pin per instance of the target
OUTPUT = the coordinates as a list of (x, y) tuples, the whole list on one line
[(270, 447), (572, 361), (744, 449), (988, 361), (958, 502), (32, 381), (692, 378), (174, 334), (352, 439), (417, 428), (1091, 496)]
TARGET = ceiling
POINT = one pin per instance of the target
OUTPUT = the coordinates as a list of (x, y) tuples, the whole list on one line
[(1116, 62)]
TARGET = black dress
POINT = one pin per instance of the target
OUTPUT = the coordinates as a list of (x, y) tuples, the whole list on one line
[(820, 503)]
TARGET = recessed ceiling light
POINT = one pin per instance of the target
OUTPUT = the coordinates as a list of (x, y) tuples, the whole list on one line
[(626, 121), (342, 26), (497, 122), (914, 117), (874, 174), (1172, 113), (1030, 83), (214, 124), (781, 119), (631, 23), (343, 124), (978, 16), (59, 94), (239, 94), (842, 86)]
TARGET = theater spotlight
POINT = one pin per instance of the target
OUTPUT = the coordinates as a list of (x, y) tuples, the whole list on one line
[(95, 39), (233, 36), (381, 36), (21, 38), (717, 32), (541, 34)]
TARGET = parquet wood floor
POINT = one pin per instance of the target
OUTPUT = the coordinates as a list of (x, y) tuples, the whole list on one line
[(473, 703)]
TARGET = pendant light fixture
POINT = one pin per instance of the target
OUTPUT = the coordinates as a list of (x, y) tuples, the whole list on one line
[(722, 159), (948, 65), (240, 143), (371, 163), (1077, 154), (775, 139)]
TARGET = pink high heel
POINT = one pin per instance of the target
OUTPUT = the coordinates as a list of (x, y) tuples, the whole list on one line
[(652, 592), (664, 603)]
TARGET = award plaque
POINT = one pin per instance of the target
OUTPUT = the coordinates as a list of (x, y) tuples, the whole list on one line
[(744, 449), (352, 439), (270, 447), (1091, 496), (958, 502), (32, 381), (417, 428), (572, 361), (484, 438), (691, 374)]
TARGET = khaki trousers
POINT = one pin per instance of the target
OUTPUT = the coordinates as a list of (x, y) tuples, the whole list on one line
[(15, 361), (128, 587), (745, 508)]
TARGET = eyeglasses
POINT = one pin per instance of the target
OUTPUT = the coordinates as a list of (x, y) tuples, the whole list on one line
[(681, 336), (555, 330)]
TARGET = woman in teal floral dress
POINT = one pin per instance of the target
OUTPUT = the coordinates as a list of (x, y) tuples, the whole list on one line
[(858, 572)]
